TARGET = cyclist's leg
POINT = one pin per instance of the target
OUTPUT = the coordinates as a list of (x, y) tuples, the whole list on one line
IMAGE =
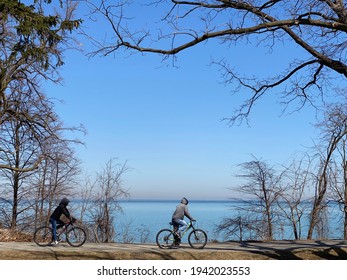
[(182, 225), (60, 224), (54, 228), (176, 232)]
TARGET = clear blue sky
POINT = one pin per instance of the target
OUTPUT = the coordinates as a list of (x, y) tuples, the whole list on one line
[(166, 121)]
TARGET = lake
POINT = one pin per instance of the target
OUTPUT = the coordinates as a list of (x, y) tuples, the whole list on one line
[(142, 219), (155, 215)]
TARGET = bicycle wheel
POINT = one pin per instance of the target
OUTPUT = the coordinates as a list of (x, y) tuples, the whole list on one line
[(197, 239), (43, 236), (165, 239), (76, 236)]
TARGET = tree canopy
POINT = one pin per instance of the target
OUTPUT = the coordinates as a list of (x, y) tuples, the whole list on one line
[(30, 43), (31, 46)]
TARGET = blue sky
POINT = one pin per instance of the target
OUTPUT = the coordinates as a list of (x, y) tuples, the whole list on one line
[(166, 122)]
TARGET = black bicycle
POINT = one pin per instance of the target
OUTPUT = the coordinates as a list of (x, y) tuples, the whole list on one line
[(75, 236), (169, 238)]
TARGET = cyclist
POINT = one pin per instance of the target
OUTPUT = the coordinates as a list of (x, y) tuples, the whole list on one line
[(178, 217), (55, 217)]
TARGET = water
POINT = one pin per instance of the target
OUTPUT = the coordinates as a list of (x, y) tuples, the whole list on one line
[(155, 215), (143, 219)]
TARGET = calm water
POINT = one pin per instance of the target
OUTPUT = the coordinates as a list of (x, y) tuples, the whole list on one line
[(143, 219), (155, 215)]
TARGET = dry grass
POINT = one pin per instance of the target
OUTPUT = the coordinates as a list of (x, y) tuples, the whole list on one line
[(7, 235)]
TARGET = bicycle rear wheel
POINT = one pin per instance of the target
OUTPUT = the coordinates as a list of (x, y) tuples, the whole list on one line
[(43, 236), (197, 239), (76, 236), (165, 239)]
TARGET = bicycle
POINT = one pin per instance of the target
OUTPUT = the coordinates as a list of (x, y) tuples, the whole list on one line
[(75, 236), (169, 238)]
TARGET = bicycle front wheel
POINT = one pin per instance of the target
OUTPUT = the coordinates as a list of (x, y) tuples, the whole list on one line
[(43, 236), (76, 236), (165, 239), (197, 239)]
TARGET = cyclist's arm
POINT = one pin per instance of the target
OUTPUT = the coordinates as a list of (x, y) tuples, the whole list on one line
[(187, 214), (67, 213)]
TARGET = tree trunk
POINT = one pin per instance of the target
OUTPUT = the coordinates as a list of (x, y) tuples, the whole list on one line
[(317, 204)]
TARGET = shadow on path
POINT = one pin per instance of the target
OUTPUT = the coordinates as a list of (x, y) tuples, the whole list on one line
[(291, 250)]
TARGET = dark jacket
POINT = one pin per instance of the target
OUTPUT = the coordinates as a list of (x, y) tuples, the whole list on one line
[(182, 210), (61, 209)]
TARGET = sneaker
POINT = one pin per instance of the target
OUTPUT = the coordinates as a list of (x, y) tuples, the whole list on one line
[(56, 242)]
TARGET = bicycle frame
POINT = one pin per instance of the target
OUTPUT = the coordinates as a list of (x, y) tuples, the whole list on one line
[(190, 225), (63, 228)]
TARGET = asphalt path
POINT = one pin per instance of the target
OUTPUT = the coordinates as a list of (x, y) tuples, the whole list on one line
[(313, 249)]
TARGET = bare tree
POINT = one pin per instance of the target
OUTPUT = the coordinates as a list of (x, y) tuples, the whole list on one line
[(296, 179), (103, 196), (57, 177), (21, 147), (233, 226), (260, 193), (338, 179), (317, 27), (334, 130), (340, 189)]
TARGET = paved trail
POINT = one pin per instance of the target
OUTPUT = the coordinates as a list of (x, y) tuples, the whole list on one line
[(332, 249)]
